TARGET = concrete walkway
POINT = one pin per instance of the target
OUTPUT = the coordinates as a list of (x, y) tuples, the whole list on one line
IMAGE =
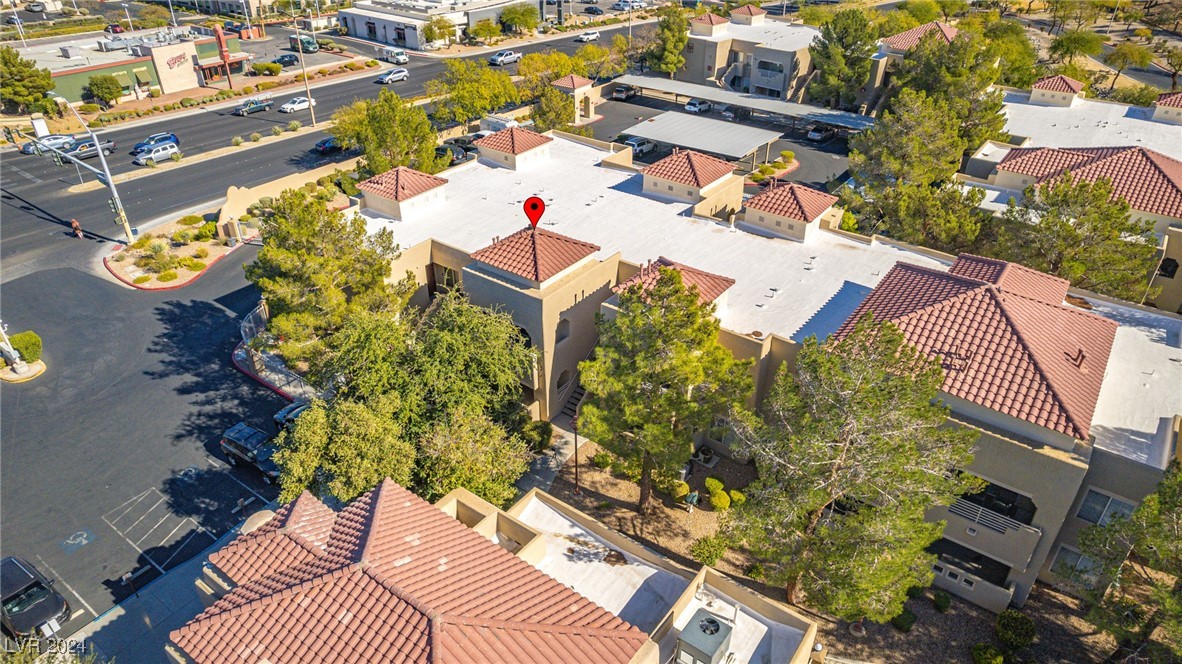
[(545, 468)]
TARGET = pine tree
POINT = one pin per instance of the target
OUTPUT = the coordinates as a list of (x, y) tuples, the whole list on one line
[(22, 84), (915, 142), (391, 132), (841, 54), (672, 36)]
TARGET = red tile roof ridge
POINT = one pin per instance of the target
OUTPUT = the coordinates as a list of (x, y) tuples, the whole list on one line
[(1170, 99), (1007, 269), (1058, 83), (709, 19), (456, 619)]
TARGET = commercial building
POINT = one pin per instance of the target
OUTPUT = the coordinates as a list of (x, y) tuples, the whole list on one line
[(400, 22), (393, 578)]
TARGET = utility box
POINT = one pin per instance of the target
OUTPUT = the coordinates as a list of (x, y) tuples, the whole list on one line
[(706, 639)]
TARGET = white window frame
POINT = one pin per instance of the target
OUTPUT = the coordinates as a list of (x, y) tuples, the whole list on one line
[(1106, 513)]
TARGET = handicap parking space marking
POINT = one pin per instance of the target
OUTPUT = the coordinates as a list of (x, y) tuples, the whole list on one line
[(76, 541)]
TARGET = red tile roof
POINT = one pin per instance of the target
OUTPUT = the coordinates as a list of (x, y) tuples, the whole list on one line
[(909, 39), (1171, 99), (1000, 348), (748, 10), (1058, 83), (1149, 181), (401, 183), (572, 82), (689, 168), (709, 285), (709, 19), (793, 201), (1012, 278), (535, 254), (400, 581), (513, 140)]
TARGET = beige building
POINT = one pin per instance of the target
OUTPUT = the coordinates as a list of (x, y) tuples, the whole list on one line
[(792, 211), (1057, 90), (706, 182), (582, 96), (1168, 107), (892, 50), (749, 53)]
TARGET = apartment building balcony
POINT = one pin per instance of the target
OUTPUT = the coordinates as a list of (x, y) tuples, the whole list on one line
[(964, 584), (1007, 540), (768, 78)]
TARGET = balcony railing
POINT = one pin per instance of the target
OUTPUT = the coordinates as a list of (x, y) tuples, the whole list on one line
[(988, 518)]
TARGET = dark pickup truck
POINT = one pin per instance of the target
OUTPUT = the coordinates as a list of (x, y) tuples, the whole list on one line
[(85, 149), (254, 106)]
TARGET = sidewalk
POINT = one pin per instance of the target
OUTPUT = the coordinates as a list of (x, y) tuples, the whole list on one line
[(275, 376), (544, 469)]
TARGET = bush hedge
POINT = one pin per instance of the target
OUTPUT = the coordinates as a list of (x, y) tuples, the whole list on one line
[(713, 485), (142, 279), (191, 220), (737, 497), (915, 592), (942, 601), (537, 435), (1014, 629), (266, 68), (28, 344), (987, 653), (709, 550), (256, 137), (276, 131), (720, 501), (167, 275), (202, 252), (601, 460), (89, 108), (904, 621), (680, 490)]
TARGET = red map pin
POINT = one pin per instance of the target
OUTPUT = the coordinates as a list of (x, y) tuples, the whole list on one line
[(534, 209)]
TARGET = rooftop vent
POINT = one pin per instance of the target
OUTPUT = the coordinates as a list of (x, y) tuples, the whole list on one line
[(706, 639)]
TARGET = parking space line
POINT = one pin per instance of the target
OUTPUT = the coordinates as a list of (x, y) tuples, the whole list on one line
[(254, 493), (130, 505), (68, 587), (158, 525), (169, 535), (144, 514), (141, 551), (186, 543)]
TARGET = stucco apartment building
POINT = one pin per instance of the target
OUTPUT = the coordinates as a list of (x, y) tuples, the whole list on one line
[(392, 578), (1074, 400), (750, 52)]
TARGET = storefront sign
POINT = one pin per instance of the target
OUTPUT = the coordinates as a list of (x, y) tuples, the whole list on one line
[(176, 61)]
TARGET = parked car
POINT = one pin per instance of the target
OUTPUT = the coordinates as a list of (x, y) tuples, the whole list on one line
[(589, 2), (394, 75), (85, 149), (623, 92), (730, 112), (698, 106), (154, 140), (621, 6), (114, 29), (454, 153), (594, 11), (156, 154), (243, 443), (463, 142), (297, 104), (327, 145), (590, 36), (30, 601), (52, 140), (640, 146), (15, 20), (501, 58), (254, 106), (287, 60), (820, 134), (35, 7), (288, 415)]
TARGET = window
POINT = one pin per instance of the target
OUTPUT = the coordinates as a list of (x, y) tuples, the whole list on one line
[(689, 192), (1168, 268), (777, 221), (791, 227), (670, 187), (563, 330), (761, 218), (1101, 508), (1071, 564), (689, 48)]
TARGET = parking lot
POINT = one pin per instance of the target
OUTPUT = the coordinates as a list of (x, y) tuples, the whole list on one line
[(276, 44)]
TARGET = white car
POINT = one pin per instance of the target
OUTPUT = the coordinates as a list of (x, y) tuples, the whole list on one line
[(156, 154), (640, 146), (394, 75), (621, 6), (699, 106), (297, 104), (588, 36), (504, 58)]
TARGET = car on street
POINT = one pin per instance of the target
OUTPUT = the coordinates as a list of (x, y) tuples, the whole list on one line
[(820, 134), (640, 146), (254, 105), (85, 149), (114, 29), (394, 75), (594, 11), (590, 36), (623, 92), (454, 153), (288, 415), (297, 104), (30, 601), (156, 154), (698, 106), (15, 20), (327, 146), (245, 444), (589, 2), (287, 60), (501, 58), (52, 140), (154, 140)]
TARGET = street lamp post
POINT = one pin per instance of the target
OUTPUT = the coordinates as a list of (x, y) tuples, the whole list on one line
[(116, 203), (130, 25), (172, 14), (20, 29), (575, 426), (303, 69), (18, 363)]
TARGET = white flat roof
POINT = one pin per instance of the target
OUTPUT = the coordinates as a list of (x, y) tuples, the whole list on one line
[(767, 104), (819, 283), (996, 199), (754, 639), (1089, 124), (728, 139), (1142, 389), (773, 34), (635, 591)]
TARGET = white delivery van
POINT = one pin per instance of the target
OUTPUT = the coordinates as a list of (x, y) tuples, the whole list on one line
[(394, 55)]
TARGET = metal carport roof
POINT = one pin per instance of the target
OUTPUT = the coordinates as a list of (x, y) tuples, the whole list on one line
[(754, 102), (727, 139)]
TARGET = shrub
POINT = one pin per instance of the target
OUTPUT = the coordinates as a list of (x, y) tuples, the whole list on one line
[(709, 550), (276, 131), (28, 344), (202, 252), (256, 137), (601, 460), (154, 93), (119, 257), (987, 653), (538, 435), (680, 490), (182, 237), (713, 485), (236, 141), (167, 275), (904, 621), (294, 125), (142, 279), (766, 169), (193, 264), (915, 592), (757, 177), (755, 571), (720, 501), (942, 601), (142, 242), (248, 90), (89, 108), (150, 163), (266, 85), (787, 156), (176, 156), (371, 63), (737, 497), (188, 101), (207, 232), (266, 201), (353, 66), (1014, 629)]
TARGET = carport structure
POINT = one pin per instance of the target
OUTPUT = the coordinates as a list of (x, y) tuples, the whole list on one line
[(731, 140), (683, 90)]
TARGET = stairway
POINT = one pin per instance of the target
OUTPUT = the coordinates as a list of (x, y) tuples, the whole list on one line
[(572, 404)]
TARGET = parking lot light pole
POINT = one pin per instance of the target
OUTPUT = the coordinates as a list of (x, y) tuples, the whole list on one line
[(121, 214), (130, 25), (303, 69), (172, 13)]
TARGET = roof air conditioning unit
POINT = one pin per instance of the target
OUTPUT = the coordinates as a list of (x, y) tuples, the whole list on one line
[(706, 639)]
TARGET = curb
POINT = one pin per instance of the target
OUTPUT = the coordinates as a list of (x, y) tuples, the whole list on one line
[(37, 367), (257, 378), (141, 287)]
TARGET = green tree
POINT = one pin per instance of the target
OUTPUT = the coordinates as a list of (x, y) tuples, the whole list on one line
[(941, 217), (1127, 55), (841, 54), (658, 377), (22, 84), (672, 36), (555, 109), (1071, 44), (367, 356), (439, 29), (1018, 65), (1077, 231), (521, 17), (105, 88), (893, 22), (468, 89), (915, 142), (600, 62), (343, 449), (486, 30), (318, 265), (1143, 555), (153, 16), (469, 450), (950, 8), (852, 451), (391, 131), (1172, 57), (924, 11), (1137, 95), (538, 70)]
